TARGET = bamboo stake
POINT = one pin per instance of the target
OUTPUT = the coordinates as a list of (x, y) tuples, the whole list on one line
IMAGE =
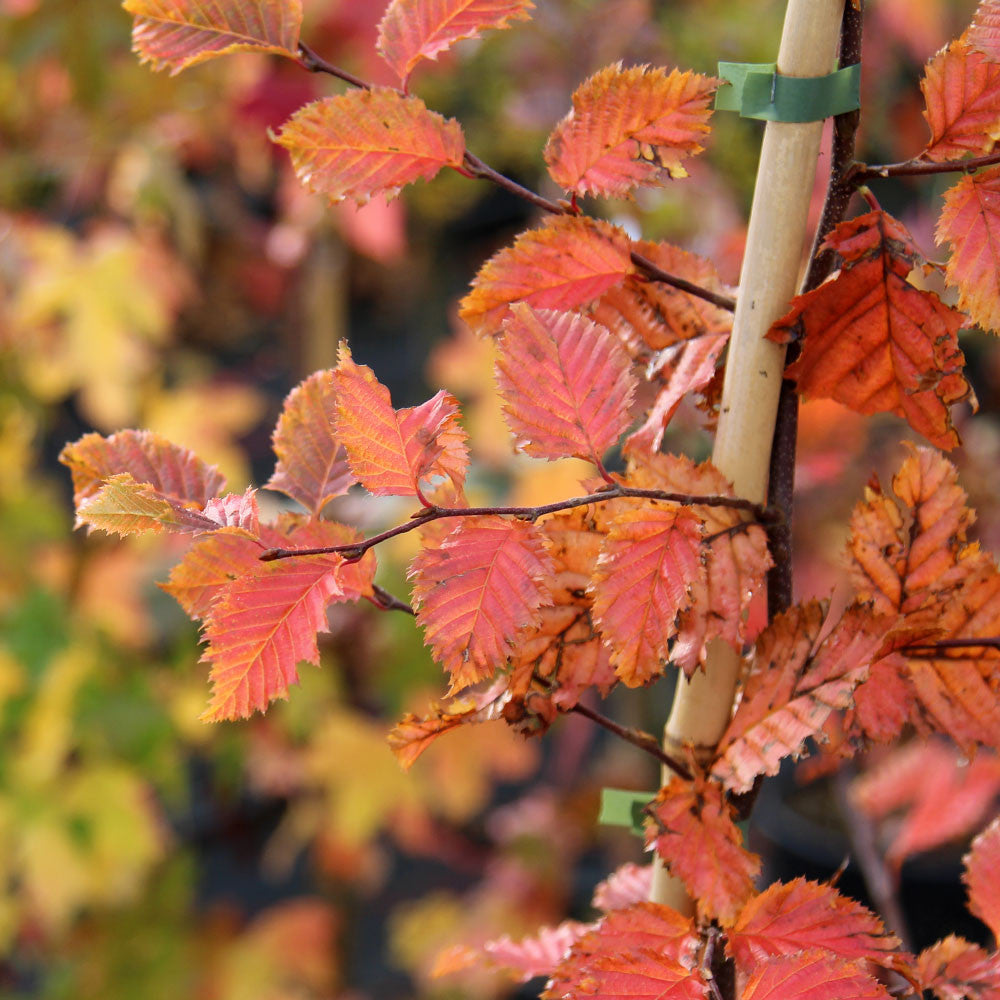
[(775, 241)]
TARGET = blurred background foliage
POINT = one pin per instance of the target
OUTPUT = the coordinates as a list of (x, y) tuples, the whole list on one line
[(160, 267)]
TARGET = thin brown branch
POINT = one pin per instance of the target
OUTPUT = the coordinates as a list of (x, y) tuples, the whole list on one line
[(658, 274), (636, 737), (859, 173), (381, 598), (355, 550), (485, 172), (930, 650), (317, 64)]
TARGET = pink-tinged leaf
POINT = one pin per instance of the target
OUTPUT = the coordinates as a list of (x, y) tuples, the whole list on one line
[(629, 127), (794, 685), (412, 30), (644, 579), (175, 34), (355, 577), (629, 884), (538, 954), (367, 142), (956, 969), (736, 560), (312, 463), (126, 507), (644, 952), (982, 876), (476, 591), (147, 458), (413, 734), (683, 368), (691, 826), (566, 384), (392, 451), (210, 566), (790, 917), (235, 510), (984, 33), (568, 262), (970, 222), (961, 90), (872, 340), (811, 975)]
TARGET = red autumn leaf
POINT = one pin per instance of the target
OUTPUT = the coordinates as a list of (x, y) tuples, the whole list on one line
[(262, 627), (873, 341), (210, 566), (392, 451), (568, 262), (565, 650), (477, 591), (691, 826), (413, 734), (171, 470), (790, 917), (235, 510), (312, 463), (566, 384), (984, 33), (176, 34), (644, 578), (736, 559), (961, 90), (811, 975), (124, 506), (647, 952), (970, 222), (263, 624), (411, 30), (794, 685), (627, 885), (537, 954), (982, 877), (369, 142), (629, 127), (956, 969), (940, 797)]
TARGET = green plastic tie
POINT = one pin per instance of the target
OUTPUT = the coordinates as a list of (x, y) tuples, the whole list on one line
[(622, 808), (758, 90)]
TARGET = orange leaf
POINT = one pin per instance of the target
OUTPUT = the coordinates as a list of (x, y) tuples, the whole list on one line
[(970, 222), (392, 451), (736, 561), (961, 89), (956, 969), (644, 578), (476, 591), (413, 734), (411, 30), (794, 685), (124, 506), (147, 458), (628, 127), (367, 142), (789, 917), (176, 34), (312, 463), (644, 951), (569, 262), (811, 975), (982, 876), (566, 383), (875, 342), (691, 826), (984, 33)]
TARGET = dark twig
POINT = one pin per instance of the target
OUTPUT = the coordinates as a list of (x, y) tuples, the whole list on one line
[(317, 64), (861, 172), (636, 737), (355, 550), (930, 650), (485, 172), (781, 480), (864, 846), (658, 274), (389, 602)]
